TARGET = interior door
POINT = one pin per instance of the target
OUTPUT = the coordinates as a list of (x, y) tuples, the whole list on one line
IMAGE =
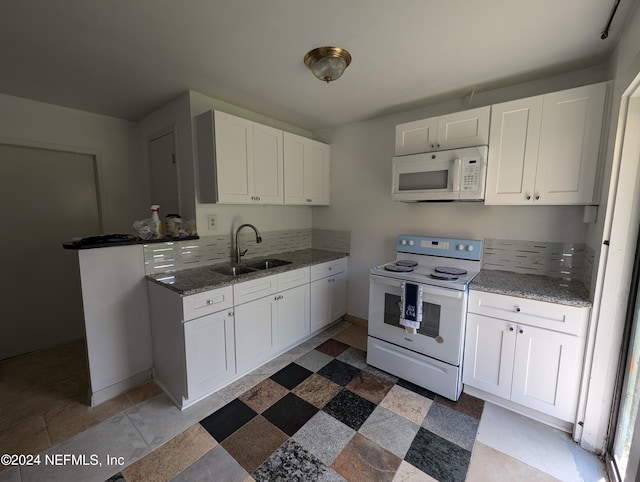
[(164, 174), (46, 198)]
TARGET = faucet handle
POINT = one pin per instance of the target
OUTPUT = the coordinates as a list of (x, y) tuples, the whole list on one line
[(244, 251)]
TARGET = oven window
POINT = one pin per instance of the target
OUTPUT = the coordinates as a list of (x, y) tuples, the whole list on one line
[(430, 325), (420, 181)]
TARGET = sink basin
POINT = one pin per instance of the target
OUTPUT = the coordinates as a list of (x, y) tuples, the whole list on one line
[(234, 270), (268, 263)]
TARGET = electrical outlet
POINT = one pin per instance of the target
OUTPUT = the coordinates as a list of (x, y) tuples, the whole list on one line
[(213, 222)]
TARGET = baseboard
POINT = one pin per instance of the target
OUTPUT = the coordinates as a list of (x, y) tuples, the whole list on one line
[(356, 320), (118, 388)]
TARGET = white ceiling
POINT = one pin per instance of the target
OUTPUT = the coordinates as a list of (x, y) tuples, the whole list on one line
[(125, 58)]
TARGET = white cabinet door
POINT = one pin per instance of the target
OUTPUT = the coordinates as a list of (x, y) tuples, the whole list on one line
[(328, 292), (488, 355), (255, 333), (293, 315), (463, 129), (210, 355), (545, 149), (460, 129), (570, 145), (547, 371), (338, 295), (417, 136), (320, 304), (234, 158), (306, 171), (239, 161), (513, 151), (266, 174)]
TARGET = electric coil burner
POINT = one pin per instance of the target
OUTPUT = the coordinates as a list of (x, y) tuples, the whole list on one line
[(417, 311)]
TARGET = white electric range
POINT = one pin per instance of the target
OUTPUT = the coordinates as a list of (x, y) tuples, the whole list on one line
[(429, 353)]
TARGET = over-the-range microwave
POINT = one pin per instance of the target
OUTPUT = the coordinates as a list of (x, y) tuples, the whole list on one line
[(451, 175)]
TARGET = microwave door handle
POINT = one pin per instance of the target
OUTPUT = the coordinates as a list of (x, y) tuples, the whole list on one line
[(457, 166)]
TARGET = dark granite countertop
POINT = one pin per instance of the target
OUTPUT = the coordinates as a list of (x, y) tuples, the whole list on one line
[(111, 240), (196, 280), (531, 286)]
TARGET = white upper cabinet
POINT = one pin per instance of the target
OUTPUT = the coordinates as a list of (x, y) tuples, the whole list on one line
[(306, 171), (545, 149), (239, 161), (452, 131)]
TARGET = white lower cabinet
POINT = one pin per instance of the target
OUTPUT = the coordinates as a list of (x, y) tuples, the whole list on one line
[(293, 315), (328, 292), (269, 325), (537, 367), (193, 341), (209, 347), (204, 341), (256, 332)]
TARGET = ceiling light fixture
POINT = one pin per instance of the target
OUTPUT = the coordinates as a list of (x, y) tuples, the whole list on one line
[(327, 63)]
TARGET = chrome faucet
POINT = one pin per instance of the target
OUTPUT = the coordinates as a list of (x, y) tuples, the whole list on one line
[(240, 254)]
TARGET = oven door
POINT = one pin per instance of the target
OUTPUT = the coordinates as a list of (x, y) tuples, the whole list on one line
[(443, 319)]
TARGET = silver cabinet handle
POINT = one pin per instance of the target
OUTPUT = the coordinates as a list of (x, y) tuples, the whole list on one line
[(521, 331), (511, 328), (538, 197), (517, 309), (209, 302), (231, 313), (528, 197)]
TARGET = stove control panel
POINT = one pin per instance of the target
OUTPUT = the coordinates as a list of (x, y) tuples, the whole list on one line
[(470, 249)]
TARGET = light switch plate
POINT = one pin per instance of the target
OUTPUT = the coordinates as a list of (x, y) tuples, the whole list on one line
[(212, 222)]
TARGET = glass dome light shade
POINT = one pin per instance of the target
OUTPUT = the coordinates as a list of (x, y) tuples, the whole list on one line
[(327, 63)]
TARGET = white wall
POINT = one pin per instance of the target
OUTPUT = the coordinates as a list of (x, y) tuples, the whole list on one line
[(122, 182), (361, 192)]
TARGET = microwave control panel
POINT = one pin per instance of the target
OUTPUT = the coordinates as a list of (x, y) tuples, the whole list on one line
[(471, 172)]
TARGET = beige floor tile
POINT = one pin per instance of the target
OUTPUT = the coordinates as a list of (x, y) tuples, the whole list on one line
[(19, 401), (144, 392), (171, 458), (66, 421), (355, 336), (489, 465), (27, 437), (406, 403), (408, 473)]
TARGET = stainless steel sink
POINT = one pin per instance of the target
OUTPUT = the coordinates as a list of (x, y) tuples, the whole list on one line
[(268, 263), (235, 270)]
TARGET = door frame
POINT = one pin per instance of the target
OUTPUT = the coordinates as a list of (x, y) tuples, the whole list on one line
[(172, 129), (101, 195)]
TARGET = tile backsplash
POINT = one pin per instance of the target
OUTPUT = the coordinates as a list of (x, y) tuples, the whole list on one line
[(558, 260), (166, 257)]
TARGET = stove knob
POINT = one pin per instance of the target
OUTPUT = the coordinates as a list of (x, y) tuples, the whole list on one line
[(411, 242), (460, 247), (403, 242), (470, 248)]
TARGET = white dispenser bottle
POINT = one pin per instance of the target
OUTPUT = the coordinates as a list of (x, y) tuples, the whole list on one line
[(155, 215)]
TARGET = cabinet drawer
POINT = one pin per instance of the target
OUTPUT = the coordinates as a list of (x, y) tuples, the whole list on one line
[(552, 316), (252, 290), (291, 279), (206, 303), (329, 268)]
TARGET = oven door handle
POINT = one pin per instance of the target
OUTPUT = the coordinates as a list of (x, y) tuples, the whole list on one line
[(426, 289)]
